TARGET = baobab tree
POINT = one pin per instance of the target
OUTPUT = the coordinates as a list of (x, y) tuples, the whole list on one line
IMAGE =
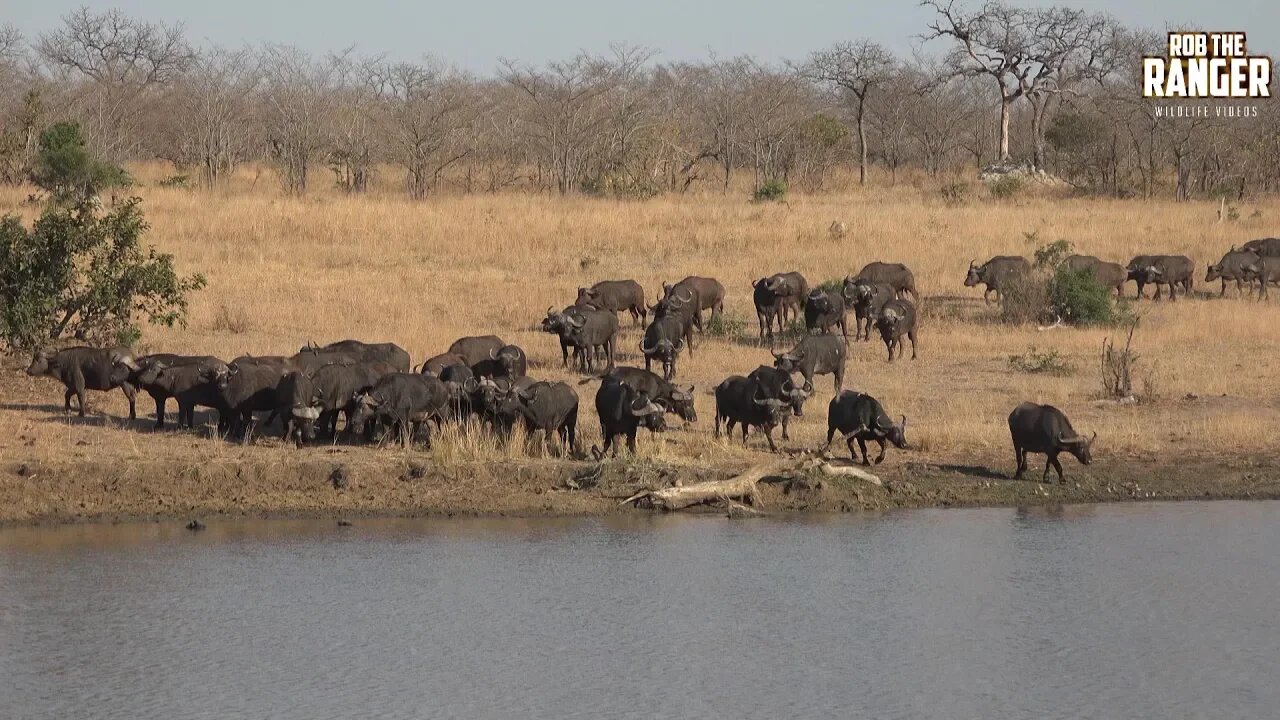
[(856, 69)]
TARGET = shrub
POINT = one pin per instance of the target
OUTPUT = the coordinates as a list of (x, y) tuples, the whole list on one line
[(175, 181), (1005, 187), (1037, 362), (774, 189), (88, 276), (67, 171), (956, 193), (726, 325), (1024, 299), (1077, 298), (1118, 365), (834, 285), (1049, 257)]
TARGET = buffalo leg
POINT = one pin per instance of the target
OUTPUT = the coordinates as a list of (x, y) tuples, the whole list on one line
[(784, 428), (631, 441), (862, 445), (912, 336), (1051, 461), (78, 383), (66, 399), (160, 403), (1020, 457), (880, 457), (131, 393), (768, 435), (853, 452), (839, 377)]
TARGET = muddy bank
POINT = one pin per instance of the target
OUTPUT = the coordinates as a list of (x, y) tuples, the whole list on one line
[(36, 492)]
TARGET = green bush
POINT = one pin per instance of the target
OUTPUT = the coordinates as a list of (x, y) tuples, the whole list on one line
[(1078, 298), (1050, 256), (66, 170), (775, 189), (1005, 187), (75, 273), (1041, 362), (726, 325)]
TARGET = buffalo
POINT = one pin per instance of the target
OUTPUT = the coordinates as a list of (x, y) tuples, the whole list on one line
[(1266, 247), (404, 402), (389, 353), (674, 399), (297, 403), (815, 355), (1237, 265), (337, 386), (439, 362), (679, 307), (509, 361), (473, 350), (616, 296), (663, 340), (778, 384), (789, 290), (896, 275), (858, 416), (191, 380), (86, 368), (593, 331), (704, 293), (549, 407), (897, 319), (768, 308), (1045, 429), (486, 398), (1171, 270), (744, 400), (1107, 274), (866, 298), (623, 410), (824, 310), (996, 274), (1267, 272), (250, 385)]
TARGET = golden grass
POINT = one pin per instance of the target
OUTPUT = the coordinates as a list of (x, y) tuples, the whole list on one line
[(283, 271)]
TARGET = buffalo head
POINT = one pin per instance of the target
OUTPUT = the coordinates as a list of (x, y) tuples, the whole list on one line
[(1079, 446)]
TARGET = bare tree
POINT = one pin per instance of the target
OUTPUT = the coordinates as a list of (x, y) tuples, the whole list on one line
[(213, 107), (124, 59), (564, 110), (856, 69), (425, 113), (296, 105), (992, 42)]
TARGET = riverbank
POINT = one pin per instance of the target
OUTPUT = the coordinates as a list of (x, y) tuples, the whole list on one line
[(342, 483)]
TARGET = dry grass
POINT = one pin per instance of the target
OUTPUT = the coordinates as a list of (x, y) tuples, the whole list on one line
[(284, 271)]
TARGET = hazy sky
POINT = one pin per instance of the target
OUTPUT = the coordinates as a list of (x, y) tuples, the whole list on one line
[(474, 34)]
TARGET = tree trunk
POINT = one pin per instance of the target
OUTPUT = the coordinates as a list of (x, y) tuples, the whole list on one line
[(862, 140), (1006, 103), (1037, 133)]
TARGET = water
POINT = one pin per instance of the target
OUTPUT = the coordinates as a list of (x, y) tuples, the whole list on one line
[(1161, 611)]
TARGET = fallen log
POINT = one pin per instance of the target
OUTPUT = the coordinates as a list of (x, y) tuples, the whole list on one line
[(848, 470), (738, 487)]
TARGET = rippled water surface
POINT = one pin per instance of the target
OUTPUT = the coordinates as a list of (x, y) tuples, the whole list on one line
[(1160, 611)]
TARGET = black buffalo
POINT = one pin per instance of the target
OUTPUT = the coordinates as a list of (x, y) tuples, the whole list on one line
[(249, 386), (337, 388), (1237, 265), (744, 400), (824, 310), (1266, 247), (1267, 272), (87, 368), (778, 384), (663, 340), (623, 410), (896, 275), (549, 407), (897, 319), (1158, 270), (815, 355), (674, 399), (860, 417), (866, 299), (509, 361), (705, 294), (1045, 429), (996, 274), (615, 296), (475, 349), (768, 306), (1107, 274), (403, 402), (389, 353), (439, 362), (191, 380)]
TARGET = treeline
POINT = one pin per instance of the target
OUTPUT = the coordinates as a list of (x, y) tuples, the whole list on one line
[(1055, 89)]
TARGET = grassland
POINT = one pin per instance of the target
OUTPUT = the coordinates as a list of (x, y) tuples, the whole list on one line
[(283, 271)]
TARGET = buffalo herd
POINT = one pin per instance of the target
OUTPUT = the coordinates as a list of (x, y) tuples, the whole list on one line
[(485, 379)]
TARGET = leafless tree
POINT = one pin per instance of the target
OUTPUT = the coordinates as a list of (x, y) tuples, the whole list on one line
[(854, 68), (425, 112), (994, 42), (296, 110), (213, 108)]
